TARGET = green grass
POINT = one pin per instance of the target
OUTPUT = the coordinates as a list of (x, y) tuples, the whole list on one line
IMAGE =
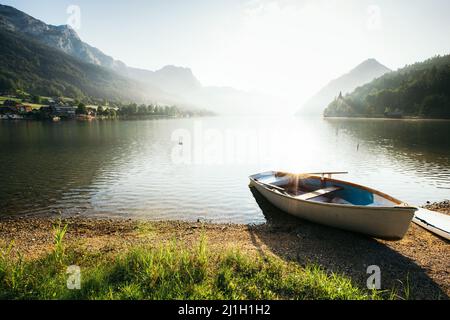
[(32, 105), (3, 98), (167, 272)]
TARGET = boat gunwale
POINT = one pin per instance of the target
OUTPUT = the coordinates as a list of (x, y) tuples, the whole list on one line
[(401, 206)]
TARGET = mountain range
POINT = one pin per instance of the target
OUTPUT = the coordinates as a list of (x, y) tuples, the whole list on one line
[(360, 75), (52, 60), (169, 85)]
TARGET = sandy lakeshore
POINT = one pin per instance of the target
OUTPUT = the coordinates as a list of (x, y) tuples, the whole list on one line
[(420, 263)]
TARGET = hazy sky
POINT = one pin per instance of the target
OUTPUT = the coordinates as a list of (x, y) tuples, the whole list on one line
[(289, 48)]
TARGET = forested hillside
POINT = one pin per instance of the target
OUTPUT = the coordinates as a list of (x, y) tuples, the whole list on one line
[(421, 89), (38, 69)]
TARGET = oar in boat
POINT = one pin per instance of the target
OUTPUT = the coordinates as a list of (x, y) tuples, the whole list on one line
[(329, 174), (303, 175)]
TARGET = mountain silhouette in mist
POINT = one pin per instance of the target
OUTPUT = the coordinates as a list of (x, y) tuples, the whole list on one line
[(360, 75)]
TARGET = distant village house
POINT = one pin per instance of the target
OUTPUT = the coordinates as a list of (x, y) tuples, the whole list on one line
[(61, 111)]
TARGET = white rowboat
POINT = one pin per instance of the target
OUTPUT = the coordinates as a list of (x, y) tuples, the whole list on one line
[(336, 203)]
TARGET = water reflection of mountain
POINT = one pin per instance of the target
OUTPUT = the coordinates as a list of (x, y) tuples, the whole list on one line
[(50, 165), (423, 141)]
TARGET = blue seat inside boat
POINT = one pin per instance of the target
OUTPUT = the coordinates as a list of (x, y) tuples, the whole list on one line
[(354, 195)]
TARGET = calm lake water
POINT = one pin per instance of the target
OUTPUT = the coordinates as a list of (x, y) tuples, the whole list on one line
[(139, 169)]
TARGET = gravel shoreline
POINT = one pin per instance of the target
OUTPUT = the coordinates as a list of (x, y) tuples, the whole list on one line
[(419, 262), (443, 207)]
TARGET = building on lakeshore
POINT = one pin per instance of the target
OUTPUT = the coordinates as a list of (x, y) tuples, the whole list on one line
[(57, 110)]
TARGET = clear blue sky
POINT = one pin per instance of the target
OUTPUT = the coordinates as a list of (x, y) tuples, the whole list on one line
[(289, 47)]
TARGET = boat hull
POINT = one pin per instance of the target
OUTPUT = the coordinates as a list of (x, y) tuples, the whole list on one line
[(390, 223)]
